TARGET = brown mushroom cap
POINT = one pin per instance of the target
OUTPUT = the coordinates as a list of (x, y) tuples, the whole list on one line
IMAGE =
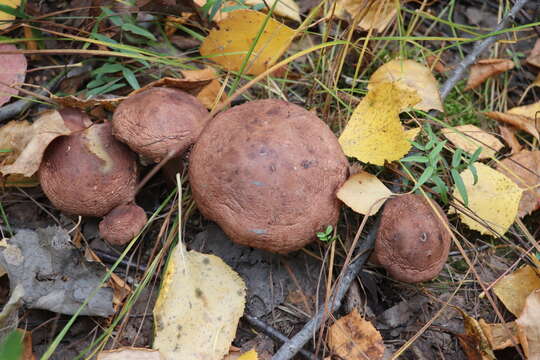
[(158, 120), (267, 172), (412, 243), (89, 172), (122, 224)]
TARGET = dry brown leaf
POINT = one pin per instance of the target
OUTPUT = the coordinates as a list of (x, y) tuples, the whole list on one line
[(514, 288), (470, 138), (519, 121), (12, 71), (28, 353), (529, 322), (474, 342), (210, 92), (353, 338), (436, 64), (130, 353), (534, 56), (508, 133), (13, 138), (501, 336), (364, 193), (524, 169), (370, 14), (484, 69)]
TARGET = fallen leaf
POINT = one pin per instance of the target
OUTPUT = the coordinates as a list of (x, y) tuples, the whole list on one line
[(473, 341), (12, 71), (364, 193), (131, 354), (410, 75), (526, 118), (524, 169), (436, 64), (529, 322), (370, 14), (230, 44), (534, 56), (484, 69), (470, 138), (514, 288), (28, 353), (250, 355), (14, 136), (494, 199), (210, 92), (374, 133), (285, 8), (45, 129), (508, 133), (5, 18), (200, 303), (353, 338), (498, 334)]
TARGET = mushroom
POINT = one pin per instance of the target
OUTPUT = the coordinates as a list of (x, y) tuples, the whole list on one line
[(267, 172), (412, 242), (122, 224), (159, 120)]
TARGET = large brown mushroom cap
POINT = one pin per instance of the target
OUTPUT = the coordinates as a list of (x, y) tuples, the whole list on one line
[(89, 172), (267, 172), (122, 224), (412, 243), (158, 120)]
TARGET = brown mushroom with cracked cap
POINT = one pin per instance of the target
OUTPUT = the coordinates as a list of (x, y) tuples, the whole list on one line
[(412, 242), (267, 172), (159, 120), (89, 172)]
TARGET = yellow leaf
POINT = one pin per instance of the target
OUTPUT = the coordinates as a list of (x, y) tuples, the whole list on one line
[(514, 288), (498, 334), (5, 18), (250, 355), (284, 8), (364, 193), (474, 342), (529, 322), (130, 353), (470, 138), (198, 307), (374, 132), (371, 14), (230, 44), (494, 199), (210, 92), (353, 338), (409, 74)]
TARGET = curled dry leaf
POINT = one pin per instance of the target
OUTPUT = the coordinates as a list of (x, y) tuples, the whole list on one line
[(473, 341), (470, 138), (501, 336), (524, 169), (529, 322), (200, 303), (5, 18), (12, 70), (526, 118), (130, 353), (494, 199), (410, 75), (370, 14), (210, 92), (353, 338), (229, 45), (534, 56), (364, 193), (508, 133), (514, 288), (374, 133), (484, 69)]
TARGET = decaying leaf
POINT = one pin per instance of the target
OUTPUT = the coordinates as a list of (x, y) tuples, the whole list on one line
[(353, 338), (534, 56), (501, 336), (285, 8), (524, 169), (364, 193), (508, 133), (473, 341), (529, 322), (494, 199), (200, 303), (14, 136), (484, 69), (229, 45), (5, 18), (526, 118), (436, 64), (369, 14), (131, 354), (43, 131), (211, 91), (374, 133), (409, 75), (12, 70), (514, 288), (470, 138)]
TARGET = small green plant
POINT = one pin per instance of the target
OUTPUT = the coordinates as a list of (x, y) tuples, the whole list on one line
[(12, 346), (211, 7), (326, 235), (436, 166)]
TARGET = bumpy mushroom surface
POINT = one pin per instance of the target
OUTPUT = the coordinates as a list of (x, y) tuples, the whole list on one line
[(412, 243), (267, 172), (89, 172), (158, 120), (122, 224)]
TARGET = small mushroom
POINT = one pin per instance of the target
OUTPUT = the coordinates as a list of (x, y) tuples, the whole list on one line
[(159, 120), (412, 242), (267, 172), (122, 224)]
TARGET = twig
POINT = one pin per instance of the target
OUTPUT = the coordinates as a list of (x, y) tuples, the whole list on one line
[(290, 348)]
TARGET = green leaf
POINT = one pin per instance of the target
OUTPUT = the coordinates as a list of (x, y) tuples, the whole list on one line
[(131, 78), (418, 146), (458, 181), (475, 155), (440, 188), (17, 12), (415, 158), (111, 15), (107, 69), (105, 89), (137, 30), (474, 173), (426, 175), (12, 346), (456, 158)]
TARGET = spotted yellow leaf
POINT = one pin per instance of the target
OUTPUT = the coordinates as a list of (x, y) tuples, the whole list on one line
[(494, 199), (409, 74), (229, 45), (374, 133), (5, 18)]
